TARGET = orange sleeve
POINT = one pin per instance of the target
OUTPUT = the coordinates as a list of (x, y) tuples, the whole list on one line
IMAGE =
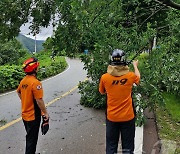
[(101, 86), (37, 90)]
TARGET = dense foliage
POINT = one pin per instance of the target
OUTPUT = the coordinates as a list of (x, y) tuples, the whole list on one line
[(11, 52), (10, 77), (160, 71)]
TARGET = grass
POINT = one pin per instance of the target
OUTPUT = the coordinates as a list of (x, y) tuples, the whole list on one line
[(173, 106), (168, 120)]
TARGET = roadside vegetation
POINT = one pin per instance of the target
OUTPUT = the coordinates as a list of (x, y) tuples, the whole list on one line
[(12, 55), (168, 120)]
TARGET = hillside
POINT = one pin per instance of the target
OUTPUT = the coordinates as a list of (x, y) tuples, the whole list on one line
[(29, 43)]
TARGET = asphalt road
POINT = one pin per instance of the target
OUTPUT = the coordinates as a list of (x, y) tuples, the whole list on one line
[(74, 129)]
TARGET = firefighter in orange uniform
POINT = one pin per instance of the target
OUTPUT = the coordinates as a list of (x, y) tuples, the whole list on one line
[(117, 84), (31, 94)]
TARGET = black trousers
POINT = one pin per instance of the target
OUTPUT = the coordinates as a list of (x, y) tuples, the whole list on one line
[(32, 130), (127, 132)]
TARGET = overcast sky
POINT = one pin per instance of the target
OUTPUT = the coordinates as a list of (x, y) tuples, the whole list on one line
[(43, 35), (44, 32)]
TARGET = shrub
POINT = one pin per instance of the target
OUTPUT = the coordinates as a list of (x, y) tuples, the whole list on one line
[(89, 93), (53, 68), (10, 77)]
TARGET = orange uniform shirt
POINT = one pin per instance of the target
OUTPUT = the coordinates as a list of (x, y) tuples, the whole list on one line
[(30, 89), (119, 100)]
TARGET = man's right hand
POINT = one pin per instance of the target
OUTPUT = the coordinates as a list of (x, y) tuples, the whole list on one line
[(46, 115), (136, 71), (135, 63)]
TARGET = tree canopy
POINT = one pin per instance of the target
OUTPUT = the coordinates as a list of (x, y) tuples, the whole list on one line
[(41, 12), (15, 13), (11, 52)]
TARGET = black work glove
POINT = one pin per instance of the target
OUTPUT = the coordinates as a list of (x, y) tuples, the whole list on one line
[(44, 125)]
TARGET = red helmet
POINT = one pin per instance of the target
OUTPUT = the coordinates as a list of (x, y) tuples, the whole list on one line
[(30, 65)]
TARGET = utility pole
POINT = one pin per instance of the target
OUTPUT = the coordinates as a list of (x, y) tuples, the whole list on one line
[(35, 48), (154, 42)]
